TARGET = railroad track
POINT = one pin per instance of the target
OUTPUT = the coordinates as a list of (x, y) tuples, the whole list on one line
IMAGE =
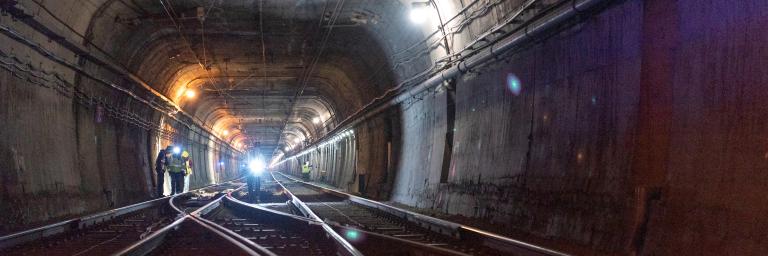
[(271, 196), (278, 232), (100, 238), (189, 237), (107, 232), (288, 217), (228, 226), (361, 219)]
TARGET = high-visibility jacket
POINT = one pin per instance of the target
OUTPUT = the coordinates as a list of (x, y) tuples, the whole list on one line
[(187, 161), (305, 169), (176, 164), (189, 166)]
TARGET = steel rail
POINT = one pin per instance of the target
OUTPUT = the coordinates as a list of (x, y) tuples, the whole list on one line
[(149, 244), (155, 240), (489, 239), (378, 242), (259, 209), (385, 239), (281, 219), (308, 212), (84, 222), (174, 197), (197, 216), (74, 224), (371, 238)]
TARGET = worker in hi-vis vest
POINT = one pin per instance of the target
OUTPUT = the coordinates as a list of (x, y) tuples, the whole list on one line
[(188, 172), (177, 168), (305, 169)]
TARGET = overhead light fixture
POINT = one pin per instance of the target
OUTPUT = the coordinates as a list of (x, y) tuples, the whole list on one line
[(316, 120), (419, 12), (225, 132), (297, 140), (190, 93), (287, 148)]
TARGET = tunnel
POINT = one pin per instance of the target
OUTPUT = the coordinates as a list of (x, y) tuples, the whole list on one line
[(383, 127)]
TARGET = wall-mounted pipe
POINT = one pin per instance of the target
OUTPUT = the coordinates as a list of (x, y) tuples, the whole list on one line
[(537, 27)]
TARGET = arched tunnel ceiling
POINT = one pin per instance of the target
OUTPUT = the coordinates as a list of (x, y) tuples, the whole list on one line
[(247, 88)]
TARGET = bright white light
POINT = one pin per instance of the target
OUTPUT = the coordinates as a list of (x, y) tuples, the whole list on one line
[(287, 148), (419, 14), (176, 150), (190, 93), (257, 166), (316, 120), (225, 132), (297, 140)]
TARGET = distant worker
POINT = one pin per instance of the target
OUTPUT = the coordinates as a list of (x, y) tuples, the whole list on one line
[(257, 167), (254, 186), (305, 169), (160, 168), (177, 167), (188, 172)]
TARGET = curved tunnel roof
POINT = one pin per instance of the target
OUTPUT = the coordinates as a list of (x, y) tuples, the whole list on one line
[(272, 72)]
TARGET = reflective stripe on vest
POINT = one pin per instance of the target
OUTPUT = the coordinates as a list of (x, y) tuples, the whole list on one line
[(176, 164)]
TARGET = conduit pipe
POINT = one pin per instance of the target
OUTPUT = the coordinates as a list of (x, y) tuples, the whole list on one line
[(537, 27), (19, 12)]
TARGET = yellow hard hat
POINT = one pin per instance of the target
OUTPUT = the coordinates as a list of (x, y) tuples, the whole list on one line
[(185, 154)]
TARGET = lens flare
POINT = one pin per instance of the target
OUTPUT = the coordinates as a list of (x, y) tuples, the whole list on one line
[(352, 235), (514, 85)]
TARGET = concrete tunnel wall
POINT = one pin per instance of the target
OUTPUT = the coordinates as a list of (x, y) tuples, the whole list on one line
[(550, 160), (618, 141), (639, 131), (342, 162), (71, 146)]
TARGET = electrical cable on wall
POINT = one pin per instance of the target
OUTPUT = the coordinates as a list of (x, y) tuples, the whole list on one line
[(308, 72)]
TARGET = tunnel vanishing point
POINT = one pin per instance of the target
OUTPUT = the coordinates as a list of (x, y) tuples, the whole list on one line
[(562, 127)]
